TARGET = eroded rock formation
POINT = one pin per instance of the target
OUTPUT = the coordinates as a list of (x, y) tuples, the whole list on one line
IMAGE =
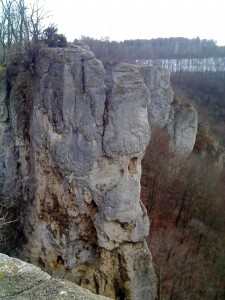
[(180, 120), (78, 134), (182, 126), (73, 136)]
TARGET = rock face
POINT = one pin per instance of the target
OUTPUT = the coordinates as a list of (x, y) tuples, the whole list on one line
[(7, 167), (73, 134), (181, 120), (23, 281), (157, 81), (182, 127), (79, 132)]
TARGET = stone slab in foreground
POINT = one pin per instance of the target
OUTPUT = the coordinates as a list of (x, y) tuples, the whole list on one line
[(23, 281)]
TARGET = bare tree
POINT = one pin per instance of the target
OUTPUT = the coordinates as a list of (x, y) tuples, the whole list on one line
[(21, 26), (8, 222), (184, 198)]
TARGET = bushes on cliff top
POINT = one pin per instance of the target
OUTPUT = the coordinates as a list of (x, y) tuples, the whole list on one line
[(22, 30)]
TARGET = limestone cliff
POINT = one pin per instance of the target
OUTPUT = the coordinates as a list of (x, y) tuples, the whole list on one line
[(180, 120), (73, 134), (78, 132)]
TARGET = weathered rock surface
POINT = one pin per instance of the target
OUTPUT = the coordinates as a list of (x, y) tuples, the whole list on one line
[(23, 281), (181, 120), (73, 135), (182, 127), (79, 132), (7, 166), (157, 81)]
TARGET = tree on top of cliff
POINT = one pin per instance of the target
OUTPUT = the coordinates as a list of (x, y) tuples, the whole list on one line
[(52, 39)]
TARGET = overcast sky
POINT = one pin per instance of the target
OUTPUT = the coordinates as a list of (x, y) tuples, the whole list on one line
[(139, 19)]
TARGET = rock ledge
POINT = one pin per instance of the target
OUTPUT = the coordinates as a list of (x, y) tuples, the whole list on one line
[(23, 281)]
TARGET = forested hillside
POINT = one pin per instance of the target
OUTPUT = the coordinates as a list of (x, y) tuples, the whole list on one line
[(161, 48), (184, 198)]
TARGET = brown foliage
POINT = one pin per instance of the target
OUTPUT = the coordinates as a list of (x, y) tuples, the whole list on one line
[(203, 139), (185, 203)]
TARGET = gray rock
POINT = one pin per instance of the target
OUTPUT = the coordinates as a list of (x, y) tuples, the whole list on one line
[(80, 132), (182, 127), (72, 140), (126, 112), (23, 281), (157, 81), (179, 119)]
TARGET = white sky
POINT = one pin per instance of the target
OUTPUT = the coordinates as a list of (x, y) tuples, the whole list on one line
[(139, 19)]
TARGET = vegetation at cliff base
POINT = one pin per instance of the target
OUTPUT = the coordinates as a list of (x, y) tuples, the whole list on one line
[(185, 200)]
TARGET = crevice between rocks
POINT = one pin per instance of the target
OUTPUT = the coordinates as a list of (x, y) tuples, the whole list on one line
[(105, 117), (82, 74), (108, 93)]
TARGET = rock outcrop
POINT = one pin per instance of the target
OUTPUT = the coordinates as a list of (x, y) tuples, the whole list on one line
[(157, 81), (182, 127), (78, 134), (73, 136), (23, 281), (180, 120)]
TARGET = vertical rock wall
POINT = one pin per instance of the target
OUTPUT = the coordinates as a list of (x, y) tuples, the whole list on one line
[(7, 159), (73, 135), (157, 81), (80, 131), (180, 120)]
